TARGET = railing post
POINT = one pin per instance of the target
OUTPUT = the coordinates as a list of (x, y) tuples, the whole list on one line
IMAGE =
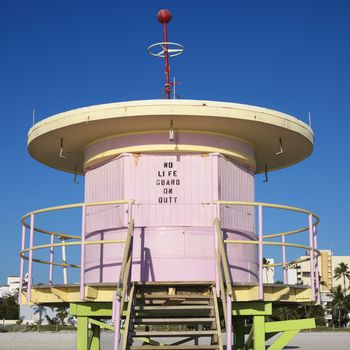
[(216, 246), (82, 254), (285, 277), (260, 255), (30, 261), (317, 267), (116, 318), (51, 260), (129, 212), (64, 261), (229, 322), (311, 254), (131, 254), (21, 274)]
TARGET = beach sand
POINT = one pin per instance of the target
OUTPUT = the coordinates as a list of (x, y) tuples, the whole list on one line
[(67, 341)]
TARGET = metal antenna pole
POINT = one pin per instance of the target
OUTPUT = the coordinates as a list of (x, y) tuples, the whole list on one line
[(166, 60), (164, 17), (166, 50)]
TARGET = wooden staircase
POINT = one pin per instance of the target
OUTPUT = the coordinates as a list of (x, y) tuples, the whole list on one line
[(172, 316)]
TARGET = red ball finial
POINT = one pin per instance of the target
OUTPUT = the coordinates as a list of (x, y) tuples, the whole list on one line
[(164, 16)]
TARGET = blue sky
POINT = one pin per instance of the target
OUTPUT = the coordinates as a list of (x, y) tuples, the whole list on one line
[(290, 55)]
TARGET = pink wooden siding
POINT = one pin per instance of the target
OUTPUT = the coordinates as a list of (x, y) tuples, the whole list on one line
[(104, 183), (236, 184), (192, 189), (173, 240), (238, 222)]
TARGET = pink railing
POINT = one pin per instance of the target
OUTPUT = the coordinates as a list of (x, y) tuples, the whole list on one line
[(310, 228), (66, 240), (262, 240)]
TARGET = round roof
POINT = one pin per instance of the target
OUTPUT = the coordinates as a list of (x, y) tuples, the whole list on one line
[(263, 128)]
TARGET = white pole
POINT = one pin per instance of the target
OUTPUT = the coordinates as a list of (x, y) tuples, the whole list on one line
[(64, 261), (310, 124)]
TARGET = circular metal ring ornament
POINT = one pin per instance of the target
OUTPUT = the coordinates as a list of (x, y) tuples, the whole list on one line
[(159, 49)]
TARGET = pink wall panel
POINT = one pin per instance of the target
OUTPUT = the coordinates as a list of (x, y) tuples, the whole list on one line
[(174, 237), (236, 184), (238, 222), (104, 183), (170, 190), (159, 254)]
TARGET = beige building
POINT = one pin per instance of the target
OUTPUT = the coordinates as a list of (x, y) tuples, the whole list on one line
[(300, 274), (11, 287)]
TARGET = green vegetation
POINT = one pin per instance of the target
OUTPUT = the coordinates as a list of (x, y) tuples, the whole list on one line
[(9, 309), (62, 313), (342, 271), (339, 307), (295, 312)]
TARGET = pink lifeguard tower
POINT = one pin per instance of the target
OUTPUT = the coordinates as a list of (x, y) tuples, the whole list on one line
[(171, 242)]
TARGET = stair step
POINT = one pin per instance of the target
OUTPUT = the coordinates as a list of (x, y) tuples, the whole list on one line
[(173, 333), (178, 284), (175, 297), (169, 302), (174, 320), (175, 347), (172, 307)]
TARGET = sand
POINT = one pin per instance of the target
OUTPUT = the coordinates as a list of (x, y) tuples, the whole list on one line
[(67, 341)]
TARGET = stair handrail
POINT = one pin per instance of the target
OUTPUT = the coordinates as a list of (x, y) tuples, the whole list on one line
[(221, 285), (128, 318), (125, 269), (217, 317), (123, 282), (223, 257)]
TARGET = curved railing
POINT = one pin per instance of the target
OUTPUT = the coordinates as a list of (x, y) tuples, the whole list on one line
[(224, 278), (70, 240)]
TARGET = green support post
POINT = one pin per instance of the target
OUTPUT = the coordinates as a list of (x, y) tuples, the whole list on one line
[(95, 337), (82, 333), (283, 340), (288, 329), (259, 332), (239, 332)]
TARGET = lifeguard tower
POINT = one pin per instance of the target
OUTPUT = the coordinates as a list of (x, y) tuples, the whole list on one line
[(171, 244)]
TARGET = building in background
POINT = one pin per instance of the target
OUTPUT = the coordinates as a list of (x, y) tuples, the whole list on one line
[(300, 274), (27, 313), (11, 287), (327, 262), (269, 271)]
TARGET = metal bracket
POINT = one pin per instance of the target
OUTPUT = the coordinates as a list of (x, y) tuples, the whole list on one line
[(266, 177), (61, 155), (171, 132), (281, 147), (75, 175)]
